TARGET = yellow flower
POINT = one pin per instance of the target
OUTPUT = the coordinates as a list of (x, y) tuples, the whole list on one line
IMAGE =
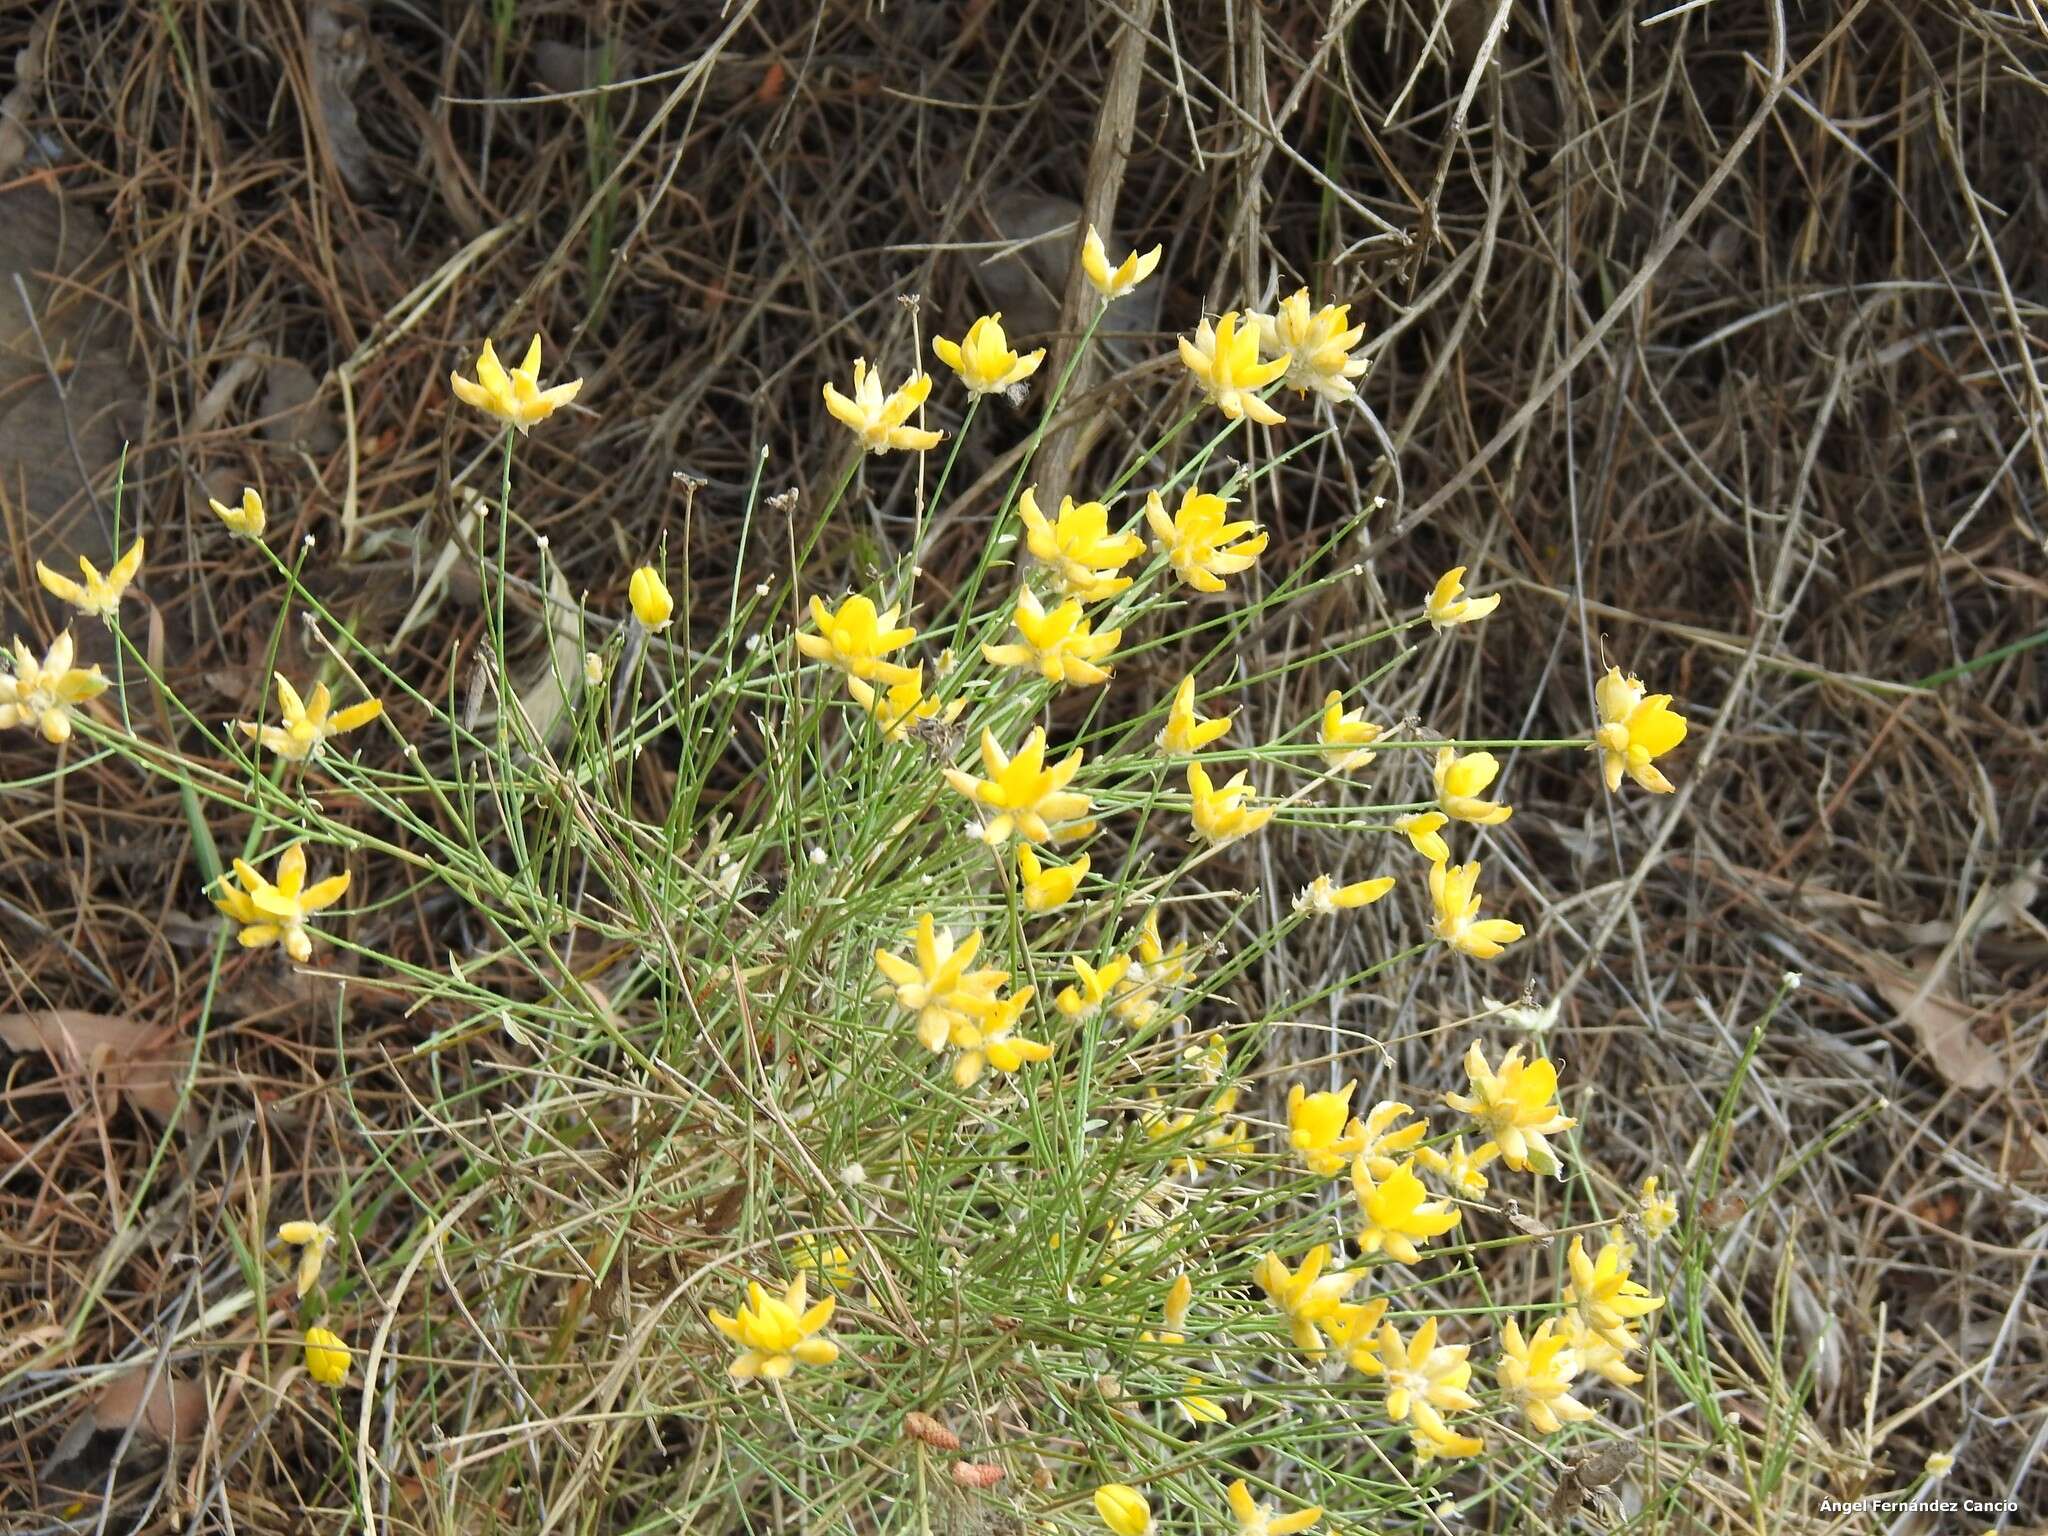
[(936, 987), (1535, 1375), (1320, 1127), (247, 520), (1324, 897), (593, 668), (1606, 1298), (1169, 967), (1094, 986), (775, 1333), (1602, 1356), (1032, 800), (1425, 1380), (1059, 644), (1343, 733), (904, 706), (1463, 1172), (857, 638), (1385, 1136), (42, 693), (1195, 1408), (1114, 282), (1221, 813), (327, 1357), (1424, 830), (312, 1239), (307, 725), (1460, 781), (1122, 1508), (1224, 1135), (97, 595), (648, 593), (276, 914), (1186, 732), (1198, 1409), (1398, 1213), (1428, 1448), (1048, 887), (1453, 891), (813, 1253), (1515, 1107), (1083, 555), (1255, 1519), (1224, 358), (1179, 1297), (1316, 344), (1658, 1213), (1159, 1124), (1307, 1297), (1157, 969), (983, 357), (1634, 730), (1354, 1334), (881, 421), (1446, 608), (1207, 1061), (991, 1041), (515, 398), (1203, 547)]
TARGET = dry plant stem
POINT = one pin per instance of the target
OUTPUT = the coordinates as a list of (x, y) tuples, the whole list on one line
[(1107, 156)]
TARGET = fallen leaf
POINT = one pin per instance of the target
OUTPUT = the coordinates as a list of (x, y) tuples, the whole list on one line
[(548, 701), (567, 67), (140, 1064), (17, 107), (292, 413), (338, 49), (1944, 1025), (170, 1408), (59, 251)]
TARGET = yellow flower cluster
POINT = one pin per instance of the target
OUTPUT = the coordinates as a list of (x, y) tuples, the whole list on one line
[(857, 639), (1238, 355), (1536, 1373), (984, 360), (775, 1333), (307, 726), (1030, 800), (268, 912), (97, 595), (1426, 1379), (41, 695), (1077, 548), (515, 398), (958, 1008), (1515, 1108), (1635, 729)]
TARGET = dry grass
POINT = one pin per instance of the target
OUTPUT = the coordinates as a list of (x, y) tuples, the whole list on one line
[(1713, 336)]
